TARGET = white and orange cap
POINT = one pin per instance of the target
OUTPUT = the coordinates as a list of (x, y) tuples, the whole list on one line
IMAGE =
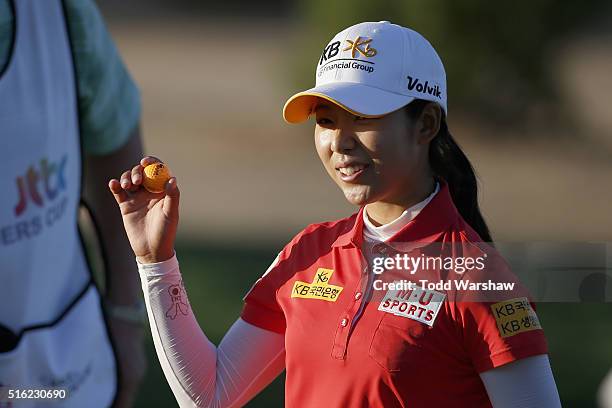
[(372, 69)]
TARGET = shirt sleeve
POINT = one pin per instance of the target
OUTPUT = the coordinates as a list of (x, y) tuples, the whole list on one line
[(499, 327), (109, 101), (199, 374), (261, 307), (526, 383)]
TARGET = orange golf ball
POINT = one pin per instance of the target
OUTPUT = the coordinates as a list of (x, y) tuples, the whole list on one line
[(155, 177)]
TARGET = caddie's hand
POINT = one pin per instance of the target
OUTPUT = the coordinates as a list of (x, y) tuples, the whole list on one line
[(130, 349)]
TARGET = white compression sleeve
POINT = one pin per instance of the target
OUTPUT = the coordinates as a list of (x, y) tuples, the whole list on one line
[(526, 383), (200, 374)]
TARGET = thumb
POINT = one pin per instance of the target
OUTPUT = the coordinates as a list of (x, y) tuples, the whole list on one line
[(171, 200)]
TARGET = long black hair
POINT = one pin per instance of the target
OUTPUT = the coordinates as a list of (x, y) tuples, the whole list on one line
[(448, 161)]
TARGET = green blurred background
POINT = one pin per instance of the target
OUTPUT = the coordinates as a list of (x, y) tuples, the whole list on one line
[(530, 92)]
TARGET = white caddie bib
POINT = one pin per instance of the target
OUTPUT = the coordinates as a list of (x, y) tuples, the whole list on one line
[(42, 264)]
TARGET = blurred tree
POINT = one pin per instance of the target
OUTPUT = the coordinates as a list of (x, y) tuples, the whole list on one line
[(497, 54)]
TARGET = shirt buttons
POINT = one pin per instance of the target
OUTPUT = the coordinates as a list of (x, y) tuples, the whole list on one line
[(344, 322), (380, 248), (357, 295)]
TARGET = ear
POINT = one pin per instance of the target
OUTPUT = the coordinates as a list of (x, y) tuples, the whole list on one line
[(428, 123)]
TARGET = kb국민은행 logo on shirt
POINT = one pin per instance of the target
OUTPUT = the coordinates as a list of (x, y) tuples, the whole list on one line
[(515, 316), (417, 304), (319, 288)]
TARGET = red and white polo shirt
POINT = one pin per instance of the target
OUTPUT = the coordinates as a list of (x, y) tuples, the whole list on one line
[(351, 345)]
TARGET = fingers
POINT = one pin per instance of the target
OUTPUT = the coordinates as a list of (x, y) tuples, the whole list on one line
[(118, 192), (126, 181), (136, 175), (171, 200), (131, 180), (145, 161)]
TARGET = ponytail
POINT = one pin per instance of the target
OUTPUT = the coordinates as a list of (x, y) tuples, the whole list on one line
[(448, 162)]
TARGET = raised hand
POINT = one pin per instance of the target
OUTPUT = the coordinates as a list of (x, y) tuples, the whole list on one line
[(150, 219)]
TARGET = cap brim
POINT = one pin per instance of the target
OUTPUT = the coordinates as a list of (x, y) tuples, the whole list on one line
[(358, 99)]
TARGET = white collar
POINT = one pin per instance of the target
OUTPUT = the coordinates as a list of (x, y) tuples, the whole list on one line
[(386, 231)]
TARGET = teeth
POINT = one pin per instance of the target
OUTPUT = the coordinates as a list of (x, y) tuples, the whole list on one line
[(349, 171)]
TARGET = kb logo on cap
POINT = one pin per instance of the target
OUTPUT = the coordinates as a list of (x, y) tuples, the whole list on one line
[(355, 47)]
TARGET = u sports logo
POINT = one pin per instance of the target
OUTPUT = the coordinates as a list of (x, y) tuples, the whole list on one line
[(319, 288), (359, 46), (416, 304)]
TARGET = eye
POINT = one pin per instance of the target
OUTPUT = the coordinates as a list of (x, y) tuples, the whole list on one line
[(363, 119), (323, 121)]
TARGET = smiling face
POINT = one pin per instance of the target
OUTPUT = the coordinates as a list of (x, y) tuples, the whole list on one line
[(375, 160)]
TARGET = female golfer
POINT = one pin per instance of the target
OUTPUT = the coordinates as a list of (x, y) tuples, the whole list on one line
[(353, 309)]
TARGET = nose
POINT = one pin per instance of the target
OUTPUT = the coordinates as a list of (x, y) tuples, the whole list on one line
[(342, 140)]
